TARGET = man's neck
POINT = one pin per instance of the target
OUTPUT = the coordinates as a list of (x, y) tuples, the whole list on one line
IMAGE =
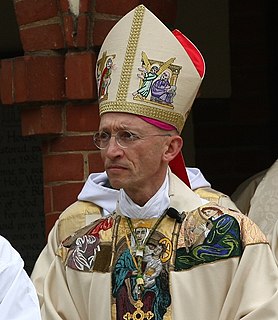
[(153, 207)]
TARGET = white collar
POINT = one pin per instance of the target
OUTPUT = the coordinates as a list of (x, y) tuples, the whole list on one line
[(96, 191), (154, 208)]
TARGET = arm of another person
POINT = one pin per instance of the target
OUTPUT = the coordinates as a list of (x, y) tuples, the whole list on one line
[(274, 241), (18, 298), (245, 191)]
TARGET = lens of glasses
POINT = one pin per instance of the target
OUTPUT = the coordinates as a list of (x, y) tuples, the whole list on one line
[(123, 138), (101, 139)]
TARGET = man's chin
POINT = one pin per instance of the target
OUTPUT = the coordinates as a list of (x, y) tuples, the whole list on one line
[(116, 184), (117, 180)]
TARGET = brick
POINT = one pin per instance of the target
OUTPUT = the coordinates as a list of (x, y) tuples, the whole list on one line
[(64, 5), (28, 11), (82, 31), (44, 78), (41, 120), (68, 30), (101, 29), (73, 143), (84, 6), (79, 37), (119, 7), (63, 167), (45, 146), (95, 162), (82, 118), (80, 75), (47, 199), (7, 81), (44, 37), (65, 194), (20, 82)]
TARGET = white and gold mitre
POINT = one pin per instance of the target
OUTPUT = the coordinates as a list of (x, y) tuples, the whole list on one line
[(143, 68)]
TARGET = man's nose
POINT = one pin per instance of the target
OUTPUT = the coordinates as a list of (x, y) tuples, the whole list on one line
[(113, 147)]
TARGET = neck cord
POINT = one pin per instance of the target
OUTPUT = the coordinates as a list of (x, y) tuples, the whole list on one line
[(140, 248)]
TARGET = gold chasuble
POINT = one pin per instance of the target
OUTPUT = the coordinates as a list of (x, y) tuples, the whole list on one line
[(140, 255)]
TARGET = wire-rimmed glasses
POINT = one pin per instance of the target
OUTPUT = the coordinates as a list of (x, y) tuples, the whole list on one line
[(124, 138)]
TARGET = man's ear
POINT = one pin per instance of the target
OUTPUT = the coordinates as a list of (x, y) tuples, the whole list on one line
[(174, 146)]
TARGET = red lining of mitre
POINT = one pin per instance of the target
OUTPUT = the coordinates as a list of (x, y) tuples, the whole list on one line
[(177, 165), (192, 51)]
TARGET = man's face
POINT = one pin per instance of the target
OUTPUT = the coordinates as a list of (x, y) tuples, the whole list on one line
[(138, 166), (158, 250), (165, 76), (154, 69), (109, 63), (141, 234)]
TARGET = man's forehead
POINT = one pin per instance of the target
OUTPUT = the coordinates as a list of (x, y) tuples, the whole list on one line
[(123, 120)]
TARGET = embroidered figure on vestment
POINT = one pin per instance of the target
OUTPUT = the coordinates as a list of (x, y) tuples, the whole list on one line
[(140, 278), (208, 239)]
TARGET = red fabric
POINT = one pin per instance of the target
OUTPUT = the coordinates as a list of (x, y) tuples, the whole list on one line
[(177, 166), (157, 123), (192, 51)]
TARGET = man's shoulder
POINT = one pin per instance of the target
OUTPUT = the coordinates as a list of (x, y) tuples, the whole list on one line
[(219, 197), (209, 193), (80, 208), (76, 216)]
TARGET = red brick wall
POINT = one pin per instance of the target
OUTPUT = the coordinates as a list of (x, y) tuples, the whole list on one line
[(54, 83)]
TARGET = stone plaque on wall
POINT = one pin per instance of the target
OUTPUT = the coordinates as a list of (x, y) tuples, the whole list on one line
[(21, 188)]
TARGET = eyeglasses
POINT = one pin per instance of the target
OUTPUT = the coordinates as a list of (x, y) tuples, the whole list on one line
[(124, 138)]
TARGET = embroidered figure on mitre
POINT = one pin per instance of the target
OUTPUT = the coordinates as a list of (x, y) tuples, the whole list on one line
[(157, 81), (104, 71)]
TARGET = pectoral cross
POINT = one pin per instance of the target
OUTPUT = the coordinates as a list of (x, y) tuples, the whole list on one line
[(138, 314)]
